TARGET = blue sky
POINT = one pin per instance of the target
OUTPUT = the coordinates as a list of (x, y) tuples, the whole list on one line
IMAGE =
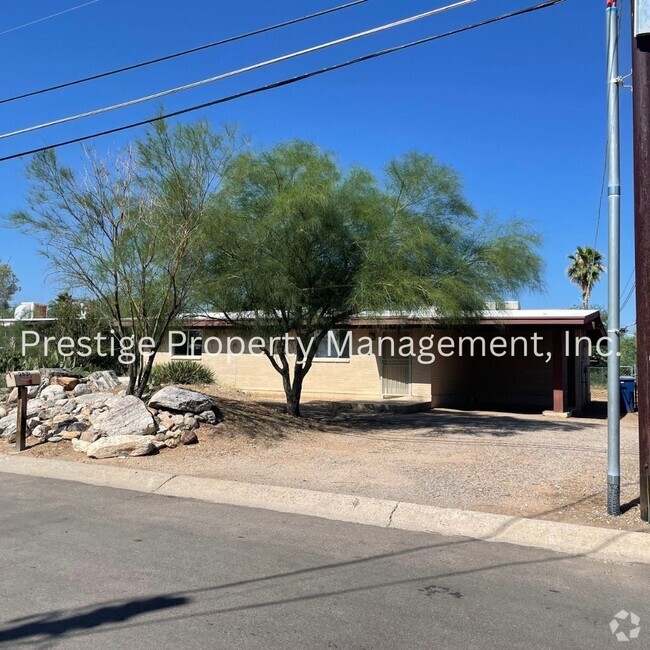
[(518, 108)]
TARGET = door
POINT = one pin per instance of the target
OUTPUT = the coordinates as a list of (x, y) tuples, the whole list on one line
[(395, 369)]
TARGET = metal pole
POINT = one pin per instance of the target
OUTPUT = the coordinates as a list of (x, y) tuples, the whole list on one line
[(641, 70), (614, 267)]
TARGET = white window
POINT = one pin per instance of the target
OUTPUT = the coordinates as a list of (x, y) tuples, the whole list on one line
[(192, 346), (336, 345)]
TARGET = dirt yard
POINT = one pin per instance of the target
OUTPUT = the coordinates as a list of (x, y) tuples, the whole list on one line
[(514, 464)]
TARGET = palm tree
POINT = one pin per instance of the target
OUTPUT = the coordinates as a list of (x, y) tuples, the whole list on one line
[(585, 270)]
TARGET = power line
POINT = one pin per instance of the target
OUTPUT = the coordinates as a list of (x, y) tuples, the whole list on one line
[(629, 296), (169, 57), (232, 73), (602, 195), (287, 81), (41, 20), (627, 284)]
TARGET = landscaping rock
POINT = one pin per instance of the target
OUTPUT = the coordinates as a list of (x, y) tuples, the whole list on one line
[(63, 418), (82, 389), (69, 434), (3, 412), (55, 438), (190, 422), (49, 373), (89, 435), (120, 446), (96, 399), (80, 445), (53, 392), (208, 417), (103, 380), (79, 427), (181, 400), (33, 408), (172, 443), (41, 431), (67, 383), (189, 438), (126, 416)]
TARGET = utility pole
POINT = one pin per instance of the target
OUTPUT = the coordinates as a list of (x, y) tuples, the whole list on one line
[(641, 76), (613, 267)]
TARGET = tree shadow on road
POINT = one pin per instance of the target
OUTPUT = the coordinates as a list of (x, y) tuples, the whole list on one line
[(57, 624)]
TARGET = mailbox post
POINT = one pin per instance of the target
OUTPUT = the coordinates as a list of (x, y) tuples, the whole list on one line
[(21, 381)]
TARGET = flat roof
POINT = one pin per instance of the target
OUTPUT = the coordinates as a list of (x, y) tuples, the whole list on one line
[(574, 317)]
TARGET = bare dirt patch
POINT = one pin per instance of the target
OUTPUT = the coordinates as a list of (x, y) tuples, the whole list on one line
[(525, 465)]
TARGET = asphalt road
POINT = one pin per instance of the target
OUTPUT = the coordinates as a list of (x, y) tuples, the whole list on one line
[(88, 567)]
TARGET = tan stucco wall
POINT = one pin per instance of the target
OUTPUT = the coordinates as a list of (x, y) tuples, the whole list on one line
[(359, 376), (461, 382)]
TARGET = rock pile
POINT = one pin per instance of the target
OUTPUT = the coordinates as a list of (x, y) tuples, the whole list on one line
[(102, 421)]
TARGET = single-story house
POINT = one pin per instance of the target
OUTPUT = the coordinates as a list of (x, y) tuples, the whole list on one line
[(507, 359)]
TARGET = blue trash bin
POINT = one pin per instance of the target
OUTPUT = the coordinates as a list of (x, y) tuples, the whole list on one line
[(628, 394)]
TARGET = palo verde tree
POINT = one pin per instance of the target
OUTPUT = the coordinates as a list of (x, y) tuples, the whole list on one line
[(125, 229), (585, 271), (296, 246)]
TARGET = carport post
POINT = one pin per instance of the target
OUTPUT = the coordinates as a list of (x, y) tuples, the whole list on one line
[(558, 372)]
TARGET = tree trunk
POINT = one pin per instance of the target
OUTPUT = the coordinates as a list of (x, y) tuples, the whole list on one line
[(132, 379), (293, 392), (144, 379)]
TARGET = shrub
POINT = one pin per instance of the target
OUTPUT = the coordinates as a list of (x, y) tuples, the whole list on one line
[(181, 372)]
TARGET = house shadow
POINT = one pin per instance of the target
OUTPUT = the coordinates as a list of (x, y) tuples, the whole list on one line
[(57, 624)]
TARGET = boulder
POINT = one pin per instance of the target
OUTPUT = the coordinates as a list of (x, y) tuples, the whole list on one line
[(190, 422), (182, 400), (126, 415), (33, 408), (9, 431), (53, 392), (103, 380), (120, 446), (3, 412)]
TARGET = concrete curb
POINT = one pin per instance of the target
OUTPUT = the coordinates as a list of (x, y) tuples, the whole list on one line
[(586, 541)]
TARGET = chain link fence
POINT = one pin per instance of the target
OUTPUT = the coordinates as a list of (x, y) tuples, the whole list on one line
[(598, 375)]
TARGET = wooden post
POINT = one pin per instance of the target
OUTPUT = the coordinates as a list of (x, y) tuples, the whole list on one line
[(21, 427), (558, 372)]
